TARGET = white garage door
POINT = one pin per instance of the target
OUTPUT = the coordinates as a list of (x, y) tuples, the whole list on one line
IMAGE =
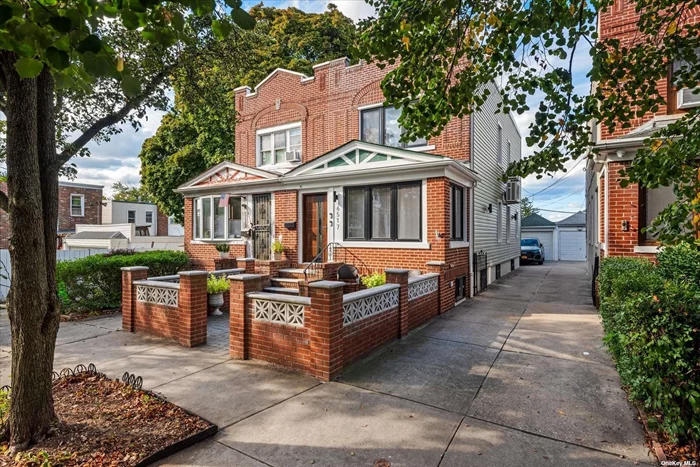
[(546, 238), (572, 245)]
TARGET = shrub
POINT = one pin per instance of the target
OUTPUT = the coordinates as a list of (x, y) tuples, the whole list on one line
[(374, 280), (95, 282), (222, 247), (651, 316), (277, 247), (217, 284)]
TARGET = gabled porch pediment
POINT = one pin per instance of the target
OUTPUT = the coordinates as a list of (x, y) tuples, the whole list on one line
[(360, 155), (226, 173)]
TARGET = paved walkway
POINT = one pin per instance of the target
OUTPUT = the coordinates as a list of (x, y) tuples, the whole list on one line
[(515, 377)]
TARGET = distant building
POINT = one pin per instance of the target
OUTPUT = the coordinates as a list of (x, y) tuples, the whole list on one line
[(563, 241), (148, 219)]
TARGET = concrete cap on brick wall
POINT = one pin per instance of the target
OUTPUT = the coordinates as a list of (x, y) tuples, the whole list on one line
[(135, 268), (396, 271), (193, 273), (244, 277), (435, 263), (245, 259), (326, 284)]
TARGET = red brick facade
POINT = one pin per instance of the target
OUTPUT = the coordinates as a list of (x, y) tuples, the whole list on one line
[(620, 208), (92, 199)]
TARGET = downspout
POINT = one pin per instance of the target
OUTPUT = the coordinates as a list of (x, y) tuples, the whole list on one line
[(607, 209), (471, 209)]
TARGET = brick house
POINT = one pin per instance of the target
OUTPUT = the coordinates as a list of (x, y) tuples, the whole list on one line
[(78, 203), (616, 216), (319, 163)]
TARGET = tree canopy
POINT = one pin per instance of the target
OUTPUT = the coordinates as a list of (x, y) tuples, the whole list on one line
[(446, 51), (527, 207), (124, 192), (200, 130)]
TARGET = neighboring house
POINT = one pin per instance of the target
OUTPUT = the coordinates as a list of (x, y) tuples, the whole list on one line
[(319, 162), (563, 241), (148, 219), (616, 216), (118, 236), (175, 229), (78, 203)]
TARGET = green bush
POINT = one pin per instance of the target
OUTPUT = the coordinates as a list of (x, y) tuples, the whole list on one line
[(651, 316), (374, 280), (95, 282), (217, 284)]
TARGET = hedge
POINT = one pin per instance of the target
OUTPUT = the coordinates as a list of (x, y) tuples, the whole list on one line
[(651, 316), (95, 282)]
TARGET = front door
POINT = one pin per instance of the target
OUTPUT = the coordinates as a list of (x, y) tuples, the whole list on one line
[(315, 228), (262, 236)]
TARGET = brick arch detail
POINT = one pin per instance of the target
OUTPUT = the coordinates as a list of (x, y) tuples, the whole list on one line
[(370, 91), (302, 111)]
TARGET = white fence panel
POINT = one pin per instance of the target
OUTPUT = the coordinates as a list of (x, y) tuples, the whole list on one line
[(61, 255)]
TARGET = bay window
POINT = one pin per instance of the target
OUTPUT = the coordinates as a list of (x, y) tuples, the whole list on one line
[(217, 218), (383, 212), (380, 125), (273, 145)]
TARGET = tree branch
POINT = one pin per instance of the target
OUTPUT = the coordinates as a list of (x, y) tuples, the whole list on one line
[(113, 118)]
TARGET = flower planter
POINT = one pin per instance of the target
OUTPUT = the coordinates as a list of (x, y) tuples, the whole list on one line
[(277, 256), (215, 302), (224, 254)]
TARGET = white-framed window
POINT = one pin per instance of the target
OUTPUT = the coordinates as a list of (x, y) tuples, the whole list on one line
[(499, 223), (380, 125), (457, 212), (499, 148), (149, 217), (131, 217), (77, 205), (279, 145), (217, 218), (686, 97), (508, 229)]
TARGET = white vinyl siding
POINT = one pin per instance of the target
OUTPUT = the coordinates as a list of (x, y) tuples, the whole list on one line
[(486, 134)]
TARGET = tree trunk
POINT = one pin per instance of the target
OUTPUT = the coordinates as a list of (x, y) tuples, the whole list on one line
[(32, 185)]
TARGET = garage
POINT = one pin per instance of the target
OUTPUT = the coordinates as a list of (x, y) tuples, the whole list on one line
[(572, 237), (543, 229)]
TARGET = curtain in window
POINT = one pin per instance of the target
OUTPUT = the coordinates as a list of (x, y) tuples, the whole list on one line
[(370, 126), (356, 213), (206, 218), (381, 213), (408, 212), (392, 130), (280, 146), (234, 217), (266, 149)]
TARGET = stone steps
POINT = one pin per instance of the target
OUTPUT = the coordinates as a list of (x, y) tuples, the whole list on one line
[(292, 273), (285, 282), (282, 290)]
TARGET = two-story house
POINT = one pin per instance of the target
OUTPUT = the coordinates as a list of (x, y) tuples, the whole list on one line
[(78, 203), (319, 162), (616, 216)]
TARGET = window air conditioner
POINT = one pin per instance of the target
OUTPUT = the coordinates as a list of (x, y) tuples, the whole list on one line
[(688, 98), (512, 193), (292, 156)]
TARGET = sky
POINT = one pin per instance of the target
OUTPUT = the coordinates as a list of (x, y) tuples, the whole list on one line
[(117, 161)]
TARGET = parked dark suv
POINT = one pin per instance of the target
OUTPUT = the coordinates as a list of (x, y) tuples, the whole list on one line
[(531, 250)]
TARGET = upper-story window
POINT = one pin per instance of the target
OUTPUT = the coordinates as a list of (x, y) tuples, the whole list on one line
[(279, 145), (77, 205), (380, 125), (149, 217), (131, 217), (686, 97)]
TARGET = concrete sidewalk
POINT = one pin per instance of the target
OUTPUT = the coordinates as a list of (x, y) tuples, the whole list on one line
[(517, 376)]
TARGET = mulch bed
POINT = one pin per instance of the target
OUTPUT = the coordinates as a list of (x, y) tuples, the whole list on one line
[(103, 422), (664, 449), (89, 314)]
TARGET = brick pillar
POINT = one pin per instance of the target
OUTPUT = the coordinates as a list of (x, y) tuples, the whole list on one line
[(400, 276), (193, 308), (446, 296), (303, 288), (239, 317), (324, 318), (129, 275), (246, 263)]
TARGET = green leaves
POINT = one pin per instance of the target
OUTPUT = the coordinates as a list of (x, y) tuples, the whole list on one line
[(61, 24), (91, 43), (28, 67), (221, 29), (5, 14), (242, 19), (58, 58), (131, 86)]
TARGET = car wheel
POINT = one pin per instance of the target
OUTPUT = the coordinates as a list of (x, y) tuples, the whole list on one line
[(541, 263)]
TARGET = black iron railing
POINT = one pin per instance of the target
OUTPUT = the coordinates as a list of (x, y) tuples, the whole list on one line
[(337, 253)]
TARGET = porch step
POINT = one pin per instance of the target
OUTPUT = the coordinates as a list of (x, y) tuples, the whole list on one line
[(285, 282), (291, 273), (282, 290)]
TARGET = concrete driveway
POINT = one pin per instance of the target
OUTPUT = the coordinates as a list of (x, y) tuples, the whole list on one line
[(517, 376)]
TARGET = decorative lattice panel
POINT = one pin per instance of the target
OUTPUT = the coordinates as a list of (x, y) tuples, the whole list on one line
[(159, 295), (424, 287), (279, 312), (369, 306)]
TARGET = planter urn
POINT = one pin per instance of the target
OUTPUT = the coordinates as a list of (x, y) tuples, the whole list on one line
[(215, 302), (277, 256), (224, 254)]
